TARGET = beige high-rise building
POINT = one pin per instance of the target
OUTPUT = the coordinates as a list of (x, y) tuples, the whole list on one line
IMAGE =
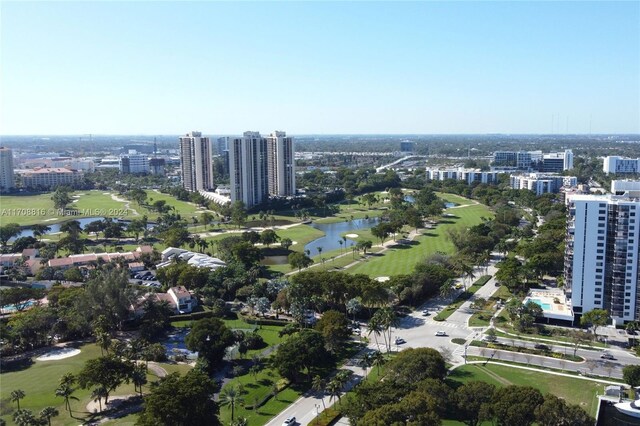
[(6, 169), (195, 161), (281, 165), (248, 169)]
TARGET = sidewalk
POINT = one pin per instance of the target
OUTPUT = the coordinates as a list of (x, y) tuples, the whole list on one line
[(522, 367)]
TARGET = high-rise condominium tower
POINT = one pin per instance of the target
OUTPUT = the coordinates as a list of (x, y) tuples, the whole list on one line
[(6, 169), (281, 165), (601, 255), (195, 160), (248, 169)]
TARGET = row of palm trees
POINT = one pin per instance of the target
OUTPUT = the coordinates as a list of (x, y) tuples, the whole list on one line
[(24, 417), (382, 323)]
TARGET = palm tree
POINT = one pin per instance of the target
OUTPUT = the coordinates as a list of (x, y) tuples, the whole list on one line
[(97, 395), (386, 319), (254, 370), (47, 413), (24, 418), (341, 243), (139, 377), (231, 396), (66, 391), (16, 396), (375, 327), (242, 421), (67, 379), (446, 290), (334, 389), (318, 384), (366, 362), (104, 341), (377, 360), (319, 250)]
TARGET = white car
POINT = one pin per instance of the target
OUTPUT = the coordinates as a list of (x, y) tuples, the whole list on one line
[(400, 340), (290, 421), (441, 333), (426, 313)]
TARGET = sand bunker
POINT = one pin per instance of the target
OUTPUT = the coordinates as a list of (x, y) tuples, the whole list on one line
[(57, 354), (382, 279), (351, 235)]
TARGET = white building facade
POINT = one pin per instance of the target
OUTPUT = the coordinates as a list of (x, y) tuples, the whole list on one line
[(542, 183), (6, 169), (248, 169), (601, 255), (468, 175), (134, 163), (195, 161), (620, 165), (281, 167)]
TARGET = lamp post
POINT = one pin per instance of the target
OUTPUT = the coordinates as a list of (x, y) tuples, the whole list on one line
[(317, 410), (465, 353)]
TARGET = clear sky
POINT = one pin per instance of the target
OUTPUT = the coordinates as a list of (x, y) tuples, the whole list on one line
[(319, 67)]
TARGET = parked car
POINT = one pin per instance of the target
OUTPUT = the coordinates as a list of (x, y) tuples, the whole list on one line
[(441, 333), (290, 421), (542, 347), (400, 340), (426, 313), (607, 356)]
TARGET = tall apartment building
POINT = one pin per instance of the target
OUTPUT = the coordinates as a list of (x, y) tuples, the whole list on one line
[(248, 169), (619, 165), (281, 168), (601, 255), (195, 161), (261, 166), (222, 149), (6, 169), (133, 163)]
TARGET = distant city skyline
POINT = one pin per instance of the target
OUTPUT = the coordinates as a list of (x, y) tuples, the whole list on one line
[(319, 68)]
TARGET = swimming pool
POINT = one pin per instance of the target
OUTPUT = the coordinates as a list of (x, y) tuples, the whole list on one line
[(544, 306), (12, 308)]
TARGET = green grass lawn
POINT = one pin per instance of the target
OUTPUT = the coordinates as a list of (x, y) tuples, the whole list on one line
[(453, 198), (89, 203), (40, 380), (185, 209), (402, 260), (574, 391), (462, 297), (255, 389)]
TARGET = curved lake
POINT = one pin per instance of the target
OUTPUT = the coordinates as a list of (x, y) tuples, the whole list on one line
[(333, 234), (55, 227)]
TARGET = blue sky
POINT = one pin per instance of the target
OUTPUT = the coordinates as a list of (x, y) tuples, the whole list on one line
[(319, 67)]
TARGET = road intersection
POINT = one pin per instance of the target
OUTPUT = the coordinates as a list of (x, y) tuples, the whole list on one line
[(420, 331)]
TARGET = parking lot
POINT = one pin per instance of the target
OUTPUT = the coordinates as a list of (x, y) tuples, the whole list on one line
[(144, 278)]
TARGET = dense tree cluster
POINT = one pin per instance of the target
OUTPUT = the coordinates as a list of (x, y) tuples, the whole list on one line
[(414, 392)]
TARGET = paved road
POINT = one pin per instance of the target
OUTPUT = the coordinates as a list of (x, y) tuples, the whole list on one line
[(311, 403), (419, 331)]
